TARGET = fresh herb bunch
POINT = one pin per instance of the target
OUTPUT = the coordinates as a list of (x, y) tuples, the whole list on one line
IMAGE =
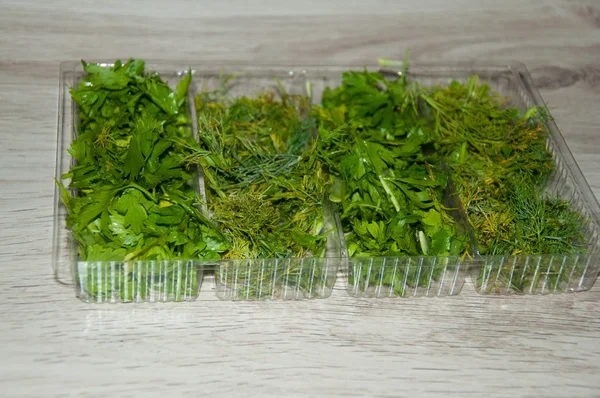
[(265, 185), (133, 197), (265, 191), (500, 163), (542, 224), (389, 183)]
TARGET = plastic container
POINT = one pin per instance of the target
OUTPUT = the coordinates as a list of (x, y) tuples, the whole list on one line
[(237, 279)]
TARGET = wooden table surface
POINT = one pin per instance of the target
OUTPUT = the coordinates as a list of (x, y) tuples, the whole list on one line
[(52, 345)]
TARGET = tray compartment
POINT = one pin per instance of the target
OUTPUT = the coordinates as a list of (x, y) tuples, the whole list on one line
[(111, 281), (270, 278)]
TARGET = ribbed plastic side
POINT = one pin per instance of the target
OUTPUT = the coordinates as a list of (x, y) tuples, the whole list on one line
[(405, 277), (507, 275), (276, 279), (138, 281)]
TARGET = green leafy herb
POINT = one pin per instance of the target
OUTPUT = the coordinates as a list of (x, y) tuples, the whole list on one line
[(500, 161), (389, 141), (265, 188), (130, 194), (264, 180), (389, 185), (501, 164)]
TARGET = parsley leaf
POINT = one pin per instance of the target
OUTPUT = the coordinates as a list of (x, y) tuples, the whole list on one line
[(129, 196)]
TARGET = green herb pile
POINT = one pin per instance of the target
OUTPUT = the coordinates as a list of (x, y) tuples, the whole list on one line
[(500, 161), (388, 183), (134, 193), (388, 141), (265, 185), (265, 190)]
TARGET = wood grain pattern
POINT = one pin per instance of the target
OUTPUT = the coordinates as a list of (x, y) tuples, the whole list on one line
[(52, 345)]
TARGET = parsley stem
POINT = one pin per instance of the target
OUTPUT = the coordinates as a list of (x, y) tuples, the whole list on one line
[(142, 190), (390, 194)]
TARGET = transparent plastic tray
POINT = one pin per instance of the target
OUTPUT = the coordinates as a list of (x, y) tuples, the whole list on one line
[(180, 280)]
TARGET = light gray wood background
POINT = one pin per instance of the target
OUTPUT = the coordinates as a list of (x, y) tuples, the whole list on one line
[(52, 345)]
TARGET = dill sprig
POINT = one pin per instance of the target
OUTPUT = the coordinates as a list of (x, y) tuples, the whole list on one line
[(265, 188)]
